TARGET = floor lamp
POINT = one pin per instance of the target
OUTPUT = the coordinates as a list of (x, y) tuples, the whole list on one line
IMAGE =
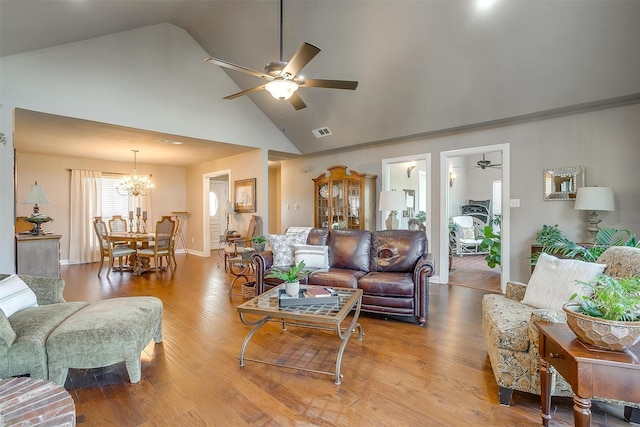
[(227, 211)]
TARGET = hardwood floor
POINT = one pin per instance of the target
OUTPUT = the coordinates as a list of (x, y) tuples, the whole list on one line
[(399, 375), (472, 271)]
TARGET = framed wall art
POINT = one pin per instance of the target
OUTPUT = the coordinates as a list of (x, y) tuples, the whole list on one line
[(245, 195)]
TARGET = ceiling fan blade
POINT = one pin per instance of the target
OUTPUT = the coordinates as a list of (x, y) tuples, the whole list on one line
[(226, 64), (297, 102), (305, 53), (245, 92), (331, 84)]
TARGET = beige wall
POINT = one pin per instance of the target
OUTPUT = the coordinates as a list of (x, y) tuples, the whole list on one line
[(252, 164), (604, 141), (53, 174)]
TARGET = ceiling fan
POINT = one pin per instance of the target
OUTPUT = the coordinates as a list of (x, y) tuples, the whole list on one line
[(283, 79), (484, 163)]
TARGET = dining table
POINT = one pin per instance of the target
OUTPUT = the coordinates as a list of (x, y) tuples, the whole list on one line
[(132, 239)]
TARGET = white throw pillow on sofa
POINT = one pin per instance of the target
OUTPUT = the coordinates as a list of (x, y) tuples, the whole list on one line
[(15, 295), (554, 280), (313, 256), (282, 248)]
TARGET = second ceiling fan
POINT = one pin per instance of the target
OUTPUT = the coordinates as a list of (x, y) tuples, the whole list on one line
[(283, 78)]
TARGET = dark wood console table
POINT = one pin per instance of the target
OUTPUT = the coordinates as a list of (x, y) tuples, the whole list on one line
[(589, 371)]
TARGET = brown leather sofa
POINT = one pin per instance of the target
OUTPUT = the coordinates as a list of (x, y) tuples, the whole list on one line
[(392, 268)]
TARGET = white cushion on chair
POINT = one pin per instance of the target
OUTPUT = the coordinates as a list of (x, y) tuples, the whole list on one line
[(554, 281)]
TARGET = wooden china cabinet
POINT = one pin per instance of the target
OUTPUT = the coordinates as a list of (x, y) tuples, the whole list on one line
[(345, 199)]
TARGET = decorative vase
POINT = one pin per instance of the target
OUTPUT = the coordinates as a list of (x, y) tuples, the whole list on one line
[(259, 247), (602, 333), (292, 288), (392, 221)]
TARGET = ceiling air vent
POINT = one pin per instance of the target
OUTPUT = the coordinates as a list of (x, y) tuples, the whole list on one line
[(319, 133)]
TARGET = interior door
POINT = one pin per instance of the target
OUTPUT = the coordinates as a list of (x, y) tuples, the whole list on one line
[(218, 195)]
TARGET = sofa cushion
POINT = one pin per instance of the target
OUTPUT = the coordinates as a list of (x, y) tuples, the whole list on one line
[(397, 250), (554, 280), (312, 255), (33, 326), (350, 249), (15, 295), (338, 277), (506, 322), (318, 236), (282, 247), (387, 284)]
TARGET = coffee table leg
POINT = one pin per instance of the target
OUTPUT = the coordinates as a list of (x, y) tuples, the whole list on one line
[(260, 323), (345, 339), (545, 389)]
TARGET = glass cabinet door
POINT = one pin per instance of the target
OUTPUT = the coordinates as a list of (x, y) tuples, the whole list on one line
[(323, 207), (353, 203)]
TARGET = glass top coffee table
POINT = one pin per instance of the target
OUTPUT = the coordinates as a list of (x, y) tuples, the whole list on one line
[(315, 316)]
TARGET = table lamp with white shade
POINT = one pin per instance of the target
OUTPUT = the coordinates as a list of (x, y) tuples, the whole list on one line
[(392, 201), (594, 199), (37, 196)]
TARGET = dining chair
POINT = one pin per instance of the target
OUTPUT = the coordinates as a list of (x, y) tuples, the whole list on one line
[(117, 224), (164, 244), (108, 249)]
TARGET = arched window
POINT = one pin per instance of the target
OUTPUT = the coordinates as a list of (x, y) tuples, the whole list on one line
[(214, 205)]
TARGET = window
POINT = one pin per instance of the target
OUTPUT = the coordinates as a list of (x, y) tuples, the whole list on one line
[(112, 202), (213, 203)]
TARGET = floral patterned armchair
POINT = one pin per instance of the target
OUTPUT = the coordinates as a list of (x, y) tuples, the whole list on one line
[(512, 337)]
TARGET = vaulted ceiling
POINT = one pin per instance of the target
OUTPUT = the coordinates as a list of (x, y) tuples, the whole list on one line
[(423, 66)]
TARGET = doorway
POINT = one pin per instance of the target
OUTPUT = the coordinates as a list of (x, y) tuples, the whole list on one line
[(465, 177), (412, 176), (216, 192)]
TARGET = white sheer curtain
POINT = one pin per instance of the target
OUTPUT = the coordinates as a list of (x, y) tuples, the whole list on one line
[(86, 203)]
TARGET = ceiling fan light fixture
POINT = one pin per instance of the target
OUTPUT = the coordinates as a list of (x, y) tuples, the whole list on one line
[(281, 89)]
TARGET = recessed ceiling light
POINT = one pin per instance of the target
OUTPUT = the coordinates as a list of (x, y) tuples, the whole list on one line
[(485, 4), (169, 141)]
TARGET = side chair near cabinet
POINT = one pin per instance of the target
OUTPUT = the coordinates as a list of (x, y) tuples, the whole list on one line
[(164, 246), (108, 249)]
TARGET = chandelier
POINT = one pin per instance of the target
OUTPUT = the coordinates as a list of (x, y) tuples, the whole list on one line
[(134, 185)]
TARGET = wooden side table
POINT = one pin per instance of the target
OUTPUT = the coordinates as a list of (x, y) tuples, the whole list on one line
[(589, 371)]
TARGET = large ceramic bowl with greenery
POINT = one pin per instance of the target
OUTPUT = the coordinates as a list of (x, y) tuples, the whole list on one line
[(608, 316), (602, 333)]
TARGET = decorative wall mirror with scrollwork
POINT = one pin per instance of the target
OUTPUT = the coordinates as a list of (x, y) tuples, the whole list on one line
[(560, 184)]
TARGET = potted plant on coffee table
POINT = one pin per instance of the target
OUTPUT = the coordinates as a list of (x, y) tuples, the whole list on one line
[(609, 315), (290, 277)]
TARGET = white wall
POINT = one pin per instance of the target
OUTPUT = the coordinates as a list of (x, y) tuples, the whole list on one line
[(152, 78), (604, 141)]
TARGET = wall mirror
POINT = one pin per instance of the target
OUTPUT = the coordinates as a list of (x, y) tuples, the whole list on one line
[(562, 183)]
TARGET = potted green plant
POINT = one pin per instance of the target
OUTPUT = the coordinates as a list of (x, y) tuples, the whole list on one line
[(258, 243), (608, 315), (290, 277), (553, 241)]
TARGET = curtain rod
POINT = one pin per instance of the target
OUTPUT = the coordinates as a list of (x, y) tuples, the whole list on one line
[(109, 173)]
